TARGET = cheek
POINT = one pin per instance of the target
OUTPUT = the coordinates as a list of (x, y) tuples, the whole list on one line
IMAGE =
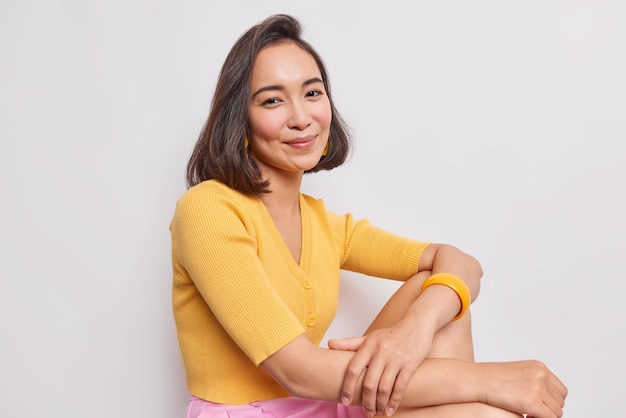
[(324, 115), (265, 125)]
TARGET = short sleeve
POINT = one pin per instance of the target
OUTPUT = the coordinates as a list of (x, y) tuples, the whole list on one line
[(373, 251), (214, 242)]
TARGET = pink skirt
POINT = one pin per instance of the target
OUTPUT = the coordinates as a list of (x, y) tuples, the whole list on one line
[(275, 408)]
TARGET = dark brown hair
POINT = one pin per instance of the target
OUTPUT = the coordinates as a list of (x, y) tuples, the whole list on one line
[(219, 152)]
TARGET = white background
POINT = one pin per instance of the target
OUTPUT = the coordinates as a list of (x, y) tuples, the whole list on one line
[(496, 126)]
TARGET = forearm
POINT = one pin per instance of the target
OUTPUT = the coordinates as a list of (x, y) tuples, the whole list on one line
[(439, 382), (316, 373)]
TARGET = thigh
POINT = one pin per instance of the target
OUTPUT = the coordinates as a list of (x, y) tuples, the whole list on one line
[(292, 407), (459, 410)]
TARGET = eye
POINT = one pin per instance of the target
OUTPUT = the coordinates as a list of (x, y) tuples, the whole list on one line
[(270, 101), (314, 93)]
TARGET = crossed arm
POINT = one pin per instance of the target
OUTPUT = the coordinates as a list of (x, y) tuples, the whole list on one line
[(390, 366), (311, 372)]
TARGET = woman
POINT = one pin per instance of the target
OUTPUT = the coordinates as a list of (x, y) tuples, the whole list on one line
[(256, 269)]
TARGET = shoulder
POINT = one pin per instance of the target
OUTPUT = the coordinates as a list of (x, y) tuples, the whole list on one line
[(212, 202), (206, 190), (318, 209), (212, 194), (314, 203), (340, 224)]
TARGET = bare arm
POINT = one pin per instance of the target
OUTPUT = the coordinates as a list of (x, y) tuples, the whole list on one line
[(389, 357), (443, 258), (400, 349), (308, 371)]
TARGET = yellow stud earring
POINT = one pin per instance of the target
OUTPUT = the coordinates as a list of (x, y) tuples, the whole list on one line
[(246, 144), (326, 148)]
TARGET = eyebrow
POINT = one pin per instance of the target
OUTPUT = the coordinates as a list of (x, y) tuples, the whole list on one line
[(280, 88)]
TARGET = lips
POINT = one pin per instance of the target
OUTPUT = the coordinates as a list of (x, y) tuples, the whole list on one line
[(304, 142)]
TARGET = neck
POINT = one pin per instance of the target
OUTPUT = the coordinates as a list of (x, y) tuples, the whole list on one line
[(285, 193)]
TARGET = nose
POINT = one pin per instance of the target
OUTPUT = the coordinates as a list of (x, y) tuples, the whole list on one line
[(299, 117)]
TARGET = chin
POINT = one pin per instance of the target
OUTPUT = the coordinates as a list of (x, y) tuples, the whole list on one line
[(307, 164)]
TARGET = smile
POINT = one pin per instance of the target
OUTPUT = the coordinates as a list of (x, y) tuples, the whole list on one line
[(303, 143)]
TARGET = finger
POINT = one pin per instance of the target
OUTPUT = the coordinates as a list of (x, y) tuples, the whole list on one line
[(346, 344), (554, 406), (554, 400), (355, 369), (399, 388), (540, 410), (557, 394), (371, 381), (385, 388), (559, 385)]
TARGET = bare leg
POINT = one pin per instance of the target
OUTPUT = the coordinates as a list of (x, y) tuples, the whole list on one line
[(452, 341), (459, 410)]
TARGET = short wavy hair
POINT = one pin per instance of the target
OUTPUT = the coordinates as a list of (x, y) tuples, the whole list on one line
[(219, 152)]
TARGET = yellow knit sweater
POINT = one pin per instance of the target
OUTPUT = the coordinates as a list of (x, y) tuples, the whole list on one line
[(239, 296)]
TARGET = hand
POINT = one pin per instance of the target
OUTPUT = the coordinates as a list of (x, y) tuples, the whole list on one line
[(387, 359), (527, 387)]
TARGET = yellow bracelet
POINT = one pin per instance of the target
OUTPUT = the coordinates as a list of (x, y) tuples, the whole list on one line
[(454, 283)]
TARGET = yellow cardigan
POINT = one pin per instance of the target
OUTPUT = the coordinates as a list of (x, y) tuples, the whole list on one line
[(239, 296)]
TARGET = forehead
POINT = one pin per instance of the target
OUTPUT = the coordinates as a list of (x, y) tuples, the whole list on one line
[(283, 62)]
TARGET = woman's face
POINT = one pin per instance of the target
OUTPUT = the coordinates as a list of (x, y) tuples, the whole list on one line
[(289, 111)]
